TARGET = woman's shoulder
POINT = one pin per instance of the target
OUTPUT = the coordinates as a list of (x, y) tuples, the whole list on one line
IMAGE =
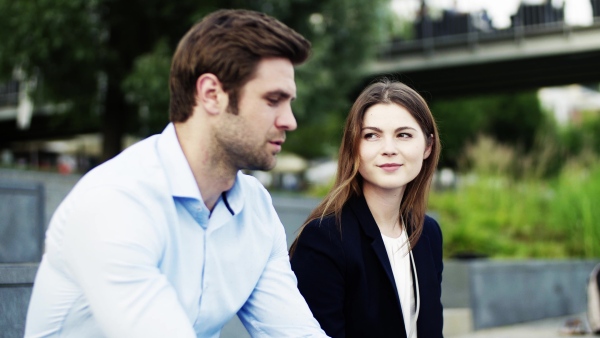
[(430, 222), (431, 227), (322, 224), (319, 235)]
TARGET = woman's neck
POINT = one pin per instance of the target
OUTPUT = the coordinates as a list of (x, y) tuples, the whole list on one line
[(385, 208)]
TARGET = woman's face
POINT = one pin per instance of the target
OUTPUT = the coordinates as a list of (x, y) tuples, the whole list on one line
[(392, 148)]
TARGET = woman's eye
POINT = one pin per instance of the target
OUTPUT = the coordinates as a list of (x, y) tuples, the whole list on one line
[(370, 136), (404, 135)]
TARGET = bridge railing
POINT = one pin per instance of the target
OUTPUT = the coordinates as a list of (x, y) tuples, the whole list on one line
[(455, 29), (9, 94)]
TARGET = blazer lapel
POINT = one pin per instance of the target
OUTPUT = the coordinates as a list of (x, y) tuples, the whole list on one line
[(417, 257), (362, 213)]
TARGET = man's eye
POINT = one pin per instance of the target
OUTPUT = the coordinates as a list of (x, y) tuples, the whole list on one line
[(273, 101)]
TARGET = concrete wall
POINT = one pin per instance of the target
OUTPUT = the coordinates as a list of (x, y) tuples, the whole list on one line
[(21, 222), (456, 284), (27, 201), (16, 281), (56, 186), (292, 212), (509, 292)]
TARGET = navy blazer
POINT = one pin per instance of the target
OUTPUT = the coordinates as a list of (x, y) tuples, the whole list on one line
[(347, 280)]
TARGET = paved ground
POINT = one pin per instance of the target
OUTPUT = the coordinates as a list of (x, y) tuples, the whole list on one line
[(547, 328)]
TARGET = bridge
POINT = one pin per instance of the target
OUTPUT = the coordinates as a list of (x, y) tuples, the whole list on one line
[(453, 56)]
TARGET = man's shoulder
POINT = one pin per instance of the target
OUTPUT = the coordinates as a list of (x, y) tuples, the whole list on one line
[(250, 182), (252, 189), (137, 169)]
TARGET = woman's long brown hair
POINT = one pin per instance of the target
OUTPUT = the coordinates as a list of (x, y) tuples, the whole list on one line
[(348, 181)]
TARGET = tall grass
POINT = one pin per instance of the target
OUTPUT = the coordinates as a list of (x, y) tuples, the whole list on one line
[(496, 214)]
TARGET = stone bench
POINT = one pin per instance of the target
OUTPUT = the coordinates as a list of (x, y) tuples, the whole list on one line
[(21, 248), (16, 282), (506, 292), (21, 222)]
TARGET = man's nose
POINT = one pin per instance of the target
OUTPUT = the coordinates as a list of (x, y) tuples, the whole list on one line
[(286, 120)]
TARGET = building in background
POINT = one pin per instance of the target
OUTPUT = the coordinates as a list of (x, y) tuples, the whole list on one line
[(567, 103)]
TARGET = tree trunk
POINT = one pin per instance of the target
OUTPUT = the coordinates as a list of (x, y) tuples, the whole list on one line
[(113, 121)]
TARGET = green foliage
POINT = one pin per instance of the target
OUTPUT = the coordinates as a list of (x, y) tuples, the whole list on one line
[(512, 119), (148, 87), (494, 214), (582, 135), (57, 41), (344, 34), (110, 58)]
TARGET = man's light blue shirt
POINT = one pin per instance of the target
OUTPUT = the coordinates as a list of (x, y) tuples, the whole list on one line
[(133, 251)]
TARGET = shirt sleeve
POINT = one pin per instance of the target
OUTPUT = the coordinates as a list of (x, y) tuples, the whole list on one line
[(318, 262), (276, 308), (113, 250)]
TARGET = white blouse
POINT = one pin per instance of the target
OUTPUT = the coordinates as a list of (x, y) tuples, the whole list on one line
[(398, 250)]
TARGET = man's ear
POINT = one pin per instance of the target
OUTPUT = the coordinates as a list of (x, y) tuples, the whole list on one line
[(429, 146), (210, 94)]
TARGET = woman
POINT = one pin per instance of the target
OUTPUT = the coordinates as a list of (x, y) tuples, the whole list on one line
[(368, 260)]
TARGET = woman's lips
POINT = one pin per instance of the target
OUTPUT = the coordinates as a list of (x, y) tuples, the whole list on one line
[(390, 166)]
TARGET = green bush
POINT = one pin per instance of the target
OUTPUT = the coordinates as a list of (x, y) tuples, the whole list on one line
[(499, 216)]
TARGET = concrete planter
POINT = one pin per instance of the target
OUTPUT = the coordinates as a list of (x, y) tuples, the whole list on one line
[(21, 221), (16, 281), (501, 292)]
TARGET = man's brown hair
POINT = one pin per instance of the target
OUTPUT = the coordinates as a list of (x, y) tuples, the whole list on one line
[(228, 44)]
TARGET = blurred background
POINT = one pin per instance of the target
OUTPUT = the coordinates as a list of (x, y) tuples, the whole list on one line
[(513, 84)]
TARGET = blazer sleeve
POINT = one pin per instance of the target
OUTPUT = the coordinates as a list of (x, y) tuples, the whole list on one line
[(319, 265), (435, 315), (437, 244)]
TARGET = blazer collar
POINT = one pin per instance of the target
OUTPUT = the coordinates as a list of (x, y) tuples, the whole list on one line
[(358, 206), (361, 211)]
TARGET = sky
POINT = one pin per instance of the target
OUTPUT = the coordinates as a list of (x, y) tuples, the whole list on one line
[(577, 12)]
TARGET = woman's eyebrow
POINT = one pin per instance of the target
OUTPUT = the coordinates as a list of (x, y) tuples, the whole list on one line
[(380, 130)]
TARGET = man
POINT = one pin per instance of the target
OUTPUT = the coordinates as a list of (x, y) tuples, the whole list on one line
[(170, 239)]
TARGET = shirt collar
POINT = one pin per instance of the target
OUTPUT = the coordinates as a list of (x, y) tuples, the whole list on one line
[(234, 197), (176, 167), (180, 177)]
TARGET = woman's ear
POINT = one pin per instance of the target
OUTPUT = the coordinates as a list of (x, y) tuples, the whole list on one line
[(210, 94), (429, 144)]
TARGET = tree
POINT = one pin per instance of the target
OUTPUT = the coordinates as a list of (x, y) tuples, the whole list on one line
[(344, 34), (82, 50), (510, 118), (107, 61)]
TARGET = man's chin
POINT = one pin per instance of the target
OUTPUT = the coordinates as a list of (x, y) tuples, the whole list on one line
[(270, 166), (263, 166)]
